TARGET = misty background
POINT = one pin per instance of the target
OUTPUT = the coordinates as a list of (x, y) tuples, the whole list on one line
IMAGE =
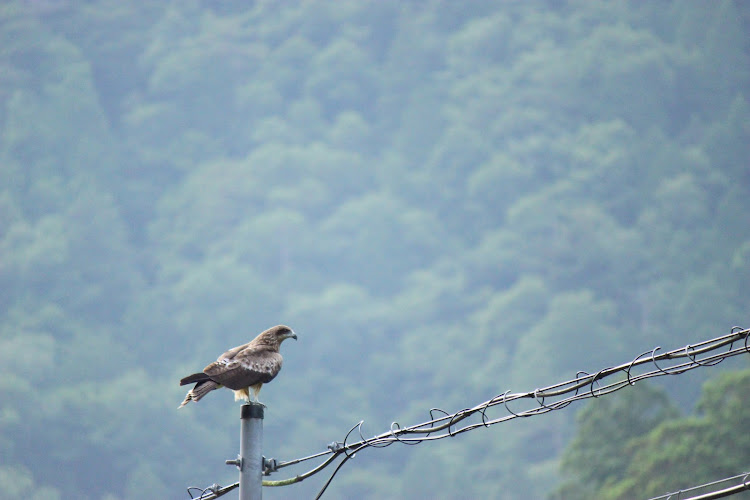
[(445, 200)]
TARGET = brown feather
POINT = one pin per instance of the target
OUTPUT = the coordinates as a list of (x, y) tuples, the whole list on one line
[(248, 365), (195, 377), (200, 390)]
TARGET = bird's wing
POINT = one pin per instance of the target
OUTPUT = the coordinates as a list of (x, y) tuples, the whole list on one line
[(231, 353), (246, 367)]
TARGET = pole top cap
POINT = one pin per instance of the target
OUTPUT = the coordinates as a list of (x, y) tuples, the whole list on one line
[(252, 410)]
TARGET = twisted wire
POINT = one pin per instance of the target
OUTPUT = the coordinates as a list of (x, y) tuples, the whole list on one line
[(743, 481), (555, 397), (213, 491)]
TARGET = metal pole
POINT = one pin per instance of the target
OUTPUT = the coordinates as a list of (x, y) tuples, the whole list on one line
[(251, 452)]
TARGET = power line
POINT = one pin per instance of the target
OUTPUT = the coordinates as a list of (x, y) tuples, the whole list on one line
[(213, 491), (443, 424), (742, 479)]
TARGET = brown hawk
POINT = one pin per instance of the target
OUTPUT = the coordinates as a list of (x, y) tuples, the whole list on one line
[(242, 368)]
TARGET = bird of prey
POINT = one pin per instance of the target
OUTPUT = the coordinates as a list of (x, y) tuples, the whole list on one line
[(242, 368)]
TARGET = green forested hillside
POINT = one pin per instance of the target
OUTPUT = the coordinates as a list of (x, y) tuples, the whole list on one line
[(636, 445), (445, 200)]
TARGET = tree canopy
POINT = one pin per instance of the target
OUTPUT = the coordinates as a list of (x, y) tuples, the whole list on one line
[(445, 200), (632, 446)]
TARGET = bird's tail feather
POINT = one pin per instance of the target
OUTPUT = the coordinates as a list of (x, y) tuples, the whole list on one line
[(201, 389), (195, 377)]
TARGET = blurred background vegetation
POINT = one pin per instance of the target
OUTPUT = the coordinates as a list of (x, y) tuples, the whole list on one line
[(446, 200)]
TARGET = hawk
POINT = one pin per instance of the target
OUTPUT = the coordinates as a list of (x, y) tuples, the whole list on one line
[(242, 368)]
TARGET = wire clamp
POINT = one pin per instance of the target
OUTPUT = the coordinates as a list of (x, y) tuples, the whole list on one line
[(336, 446), (269, 465)]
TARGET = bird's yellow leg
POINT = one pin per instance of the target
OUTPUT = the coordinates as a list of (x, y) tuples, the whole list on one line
[(242, 394), (256, 391)]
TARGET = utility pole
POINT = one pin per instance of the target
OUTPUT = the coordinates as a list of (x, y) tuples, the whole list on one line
[(250, 459)]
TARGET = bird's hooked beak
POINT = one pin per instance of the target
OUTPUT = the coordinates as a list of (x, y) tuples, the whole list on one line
[(292, 335)]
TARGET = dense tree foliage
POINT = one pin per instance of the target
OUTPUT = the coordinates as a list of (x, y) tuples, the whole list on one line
[(446, 200), (632, 446)]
